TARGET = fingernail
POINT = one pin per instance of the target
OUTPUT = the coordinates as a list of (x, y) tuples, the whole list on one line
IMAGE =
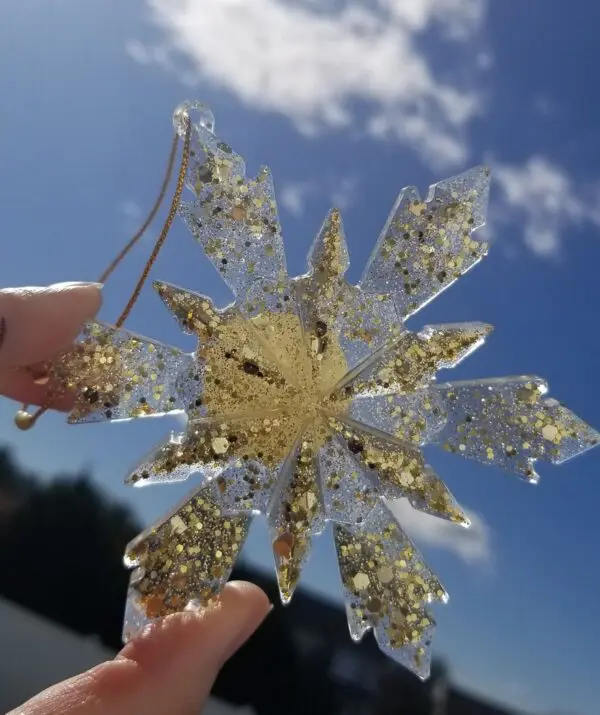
[(76, 284)]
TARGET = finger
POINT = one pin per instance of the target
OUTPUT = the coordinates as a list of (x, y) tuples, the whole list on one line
[(22, 385), (37, 323), (168, 670)]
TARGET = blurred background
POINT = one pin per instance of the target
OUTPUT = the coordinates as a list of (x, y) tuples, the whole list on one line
[(347, 101)]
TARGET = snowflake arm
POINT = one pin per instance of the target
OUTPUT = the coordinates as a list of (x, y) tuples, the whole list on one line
[(338, 316), (387, 587), (426, 245), (178, 563), (115, 375), (508, 422), (308, 400), (411, 361), (296, 514), (399, 470), (259, 444), (233, 218)]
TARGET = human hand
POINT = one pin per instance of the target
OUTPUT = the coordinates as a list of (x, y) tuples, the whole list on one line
[(170, 668)]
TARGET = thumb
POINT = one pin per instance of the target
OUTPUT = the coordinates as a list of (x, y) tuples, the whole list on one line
[(168, 670)]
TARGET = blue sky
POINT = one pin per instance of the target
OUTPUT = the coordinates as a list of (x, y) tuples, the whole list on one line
[(347, 102)]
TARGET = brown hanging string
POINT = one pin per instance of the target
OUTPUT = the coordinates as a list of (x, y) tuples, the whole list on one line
[(185, 159), (144, 227), (25, 420)]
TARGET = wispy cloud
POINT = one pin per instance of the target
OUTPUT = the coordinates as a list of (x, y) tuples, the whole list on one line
[(295, 196), (472, 545), (132, 215), (343, 195), (131, 210), (311, 62), (546, 200)]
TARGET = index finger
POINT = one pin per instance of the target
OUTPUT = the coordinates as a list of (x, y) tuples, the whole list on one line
[(37, 323), (170, 668)]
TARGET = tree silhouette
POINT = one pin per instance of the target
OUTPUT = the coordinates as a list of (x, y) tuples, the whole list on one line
[(15, 484), (61, 551)]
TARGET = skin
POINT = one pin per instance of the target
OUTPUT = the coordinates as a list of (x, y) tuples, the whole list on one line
[(170, 668)]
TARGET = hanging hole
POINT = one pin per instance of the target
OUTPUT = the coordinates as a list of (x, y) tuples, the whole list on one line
[(196, 112)]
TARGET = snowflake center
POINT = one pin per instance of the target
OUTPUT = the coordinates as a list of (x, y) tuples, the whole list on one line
[(267, 367)]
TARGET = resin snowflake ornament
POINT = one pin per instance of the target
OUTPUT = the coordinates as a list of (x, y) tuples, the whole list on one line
[(308, 400)]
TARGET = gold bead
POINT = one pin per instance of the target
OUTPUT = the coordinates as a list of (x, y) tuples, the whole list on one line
[(24, 420)]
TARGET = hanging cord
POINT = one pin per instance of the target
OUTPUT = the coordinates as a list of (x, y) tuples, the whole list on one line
[(185, 159), (144, 227), (23, 419)]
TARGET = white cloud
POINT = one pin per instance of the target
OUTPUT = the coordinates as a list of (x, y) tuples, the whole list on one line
[(294, 196), (140, 53), (131, 210), (311, 63), (458, 17), (546, 199), (473, 545), (343, 195)]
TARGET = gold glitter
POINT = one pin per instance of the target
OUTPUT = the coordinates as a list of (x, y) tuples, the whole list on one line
[(550, 432), (220, 445), (361, 581), (385, 574)]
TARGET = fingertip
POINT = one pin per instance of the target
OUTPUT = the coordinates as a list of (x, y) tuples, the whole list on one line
[(256, 604), (169, 668), (250, 592), (216, 631), (88, 296)]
